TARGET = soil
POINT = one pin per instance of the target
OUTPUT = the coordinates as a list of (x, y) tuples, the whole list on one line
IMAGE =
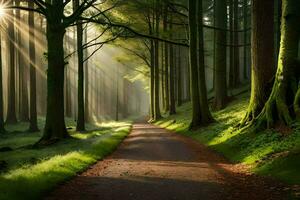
[(156, 164)]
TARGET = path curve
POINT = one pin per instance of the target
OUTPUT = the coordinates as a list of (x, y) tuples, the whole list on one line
[(155, 164)]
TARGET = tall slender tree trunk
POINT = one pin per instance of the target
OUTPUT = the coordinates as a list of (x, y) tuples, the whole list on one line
[(80, 94), (157, 114), (23, 75), (33, 127), (172, 101), (205, 112), (179, 78), (220, 71), (11, 117), (194, 78), (152, 112), (166, 55), (245, 16), (262, 56), (2, 129), (86, 79), (234, 70)]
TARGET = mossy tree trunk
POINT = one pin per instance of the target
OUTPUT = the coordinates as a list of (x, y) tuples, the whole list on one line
[(262, 57), (33, 127), (283, 103), (220, 72)]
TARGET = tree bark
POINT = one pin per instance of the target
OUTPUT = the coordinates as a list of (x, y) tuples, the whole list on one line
[(166, 55), (220, 71), (172, 101), (282, 104), (262, 57), (33, 127), (2, 129), (55, 128), (11, 117), (157, 114), (205, 112), (194, 78), (80, 94), (23, 87)]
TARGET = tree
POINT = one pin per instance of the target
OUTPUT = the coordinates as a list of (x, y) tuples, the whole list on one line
[(33, 127), (11, 117), (220, 72), (23, 70), (80, 95), (283, 103), (205, 112), (157, 114), (2, 129), (195, 99), (172, 101), (234, 70), (262, 57)]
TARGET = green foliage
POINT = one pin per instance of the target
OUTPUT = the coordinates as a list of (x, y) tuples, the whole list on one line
[(268, 152), (32, 172)]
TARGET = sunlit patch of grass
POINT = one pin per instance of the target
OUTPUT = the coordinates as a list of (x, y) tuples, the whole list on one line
[(262, 150), (32, 172)]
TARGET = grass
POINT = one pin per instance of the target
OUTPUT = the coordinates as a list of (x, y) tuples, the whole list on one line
[(268, 152), (31, 173)]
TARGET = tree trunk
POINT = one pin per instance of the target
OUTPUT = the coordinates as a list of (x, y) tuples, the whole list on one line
[(157, 114), (234, 70), (245, 16), (194, 78), (33, 127), (55, 128), (152, 81), (2, 129), (80, 94), (86, 81), (283, 103), (205, 112), (179, 79), (11, 117), (172, 101), (221, 98), (166, 55), (23, 87), (262, 57)]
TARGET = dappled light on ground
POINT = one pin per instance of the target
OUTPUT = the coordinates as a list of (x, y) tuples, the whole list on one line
[(154, 163)]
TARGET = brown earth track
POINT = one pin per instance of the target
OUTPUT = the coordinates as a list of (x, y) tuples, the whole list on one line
[(156, 164)]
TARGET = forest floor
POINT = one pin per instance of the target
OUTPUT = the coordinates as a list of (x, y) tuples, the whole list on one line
[(156, 164), (29, 173)]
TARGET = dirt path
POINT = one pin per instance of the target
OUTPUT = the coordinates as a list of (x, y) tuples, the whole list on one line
[(155, 164)]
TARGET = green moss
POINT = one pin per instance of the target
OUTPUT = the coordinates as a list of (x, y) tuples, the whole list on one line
[(268, 152), (39, 170)]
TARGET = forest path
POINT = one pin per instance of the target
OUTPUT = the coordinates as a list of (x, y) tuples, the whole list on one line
[(156, 164)]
